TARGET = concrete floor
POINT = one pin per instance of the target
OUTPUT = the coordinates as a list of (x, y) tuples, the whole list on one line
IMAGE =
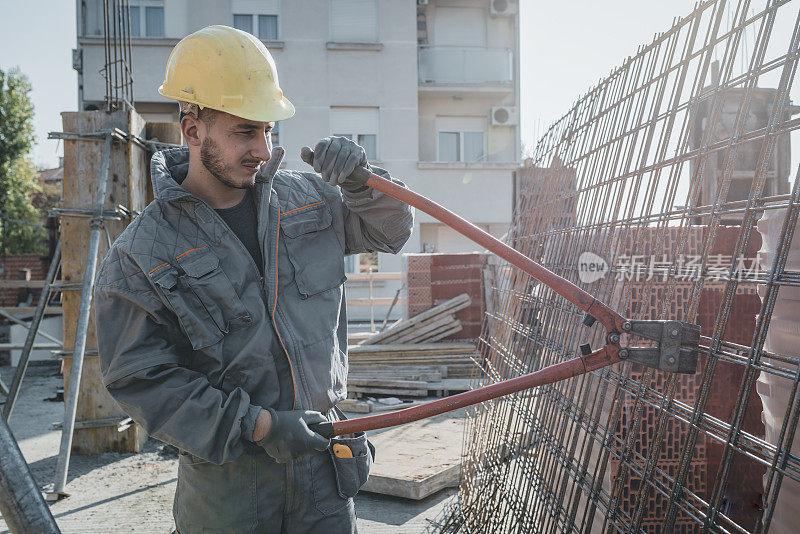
[(133, 492)]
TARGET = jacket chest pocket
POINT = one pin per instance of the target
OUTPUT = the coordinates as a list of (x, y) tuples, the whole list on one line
[(203, 298), (314, 250)]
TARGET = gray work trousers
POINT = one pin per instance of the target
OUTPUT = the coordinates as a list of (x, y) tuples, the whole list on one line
[(255, 494)]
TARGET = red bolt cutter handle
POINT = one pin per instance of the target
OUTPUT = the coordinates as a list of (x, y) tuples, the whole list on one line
[(611, 320)]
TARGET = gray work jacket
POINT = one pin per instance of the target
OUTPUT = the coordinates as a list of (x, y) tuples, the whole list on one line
[(185, 320)]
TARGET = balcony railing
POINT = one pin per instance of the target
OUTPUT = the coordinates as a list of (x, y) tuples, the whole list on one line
[(468, 66)]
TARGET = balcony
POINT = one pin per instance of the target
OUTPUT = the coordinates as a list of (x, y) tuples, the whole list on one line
[(449, 66)]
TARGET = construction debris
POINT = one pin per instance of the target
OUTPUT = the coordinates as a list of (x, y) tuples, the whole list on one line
[(427, 327), (407, 370)]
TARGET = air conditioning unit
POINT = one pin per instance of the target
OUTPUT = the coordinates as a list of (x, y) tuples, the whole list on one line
[(422, 2), (502, 8), (504, 116)]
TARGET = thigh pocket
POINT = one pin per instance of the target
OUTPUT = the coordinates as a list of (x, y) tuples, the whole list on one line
[(203, 298), (216, 498), (352, 460), (314, 250)]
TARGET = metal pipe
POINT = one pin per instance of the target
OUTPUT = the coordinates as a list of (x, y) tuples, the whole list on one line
[(83, 323), (21, 503), (22, 365)]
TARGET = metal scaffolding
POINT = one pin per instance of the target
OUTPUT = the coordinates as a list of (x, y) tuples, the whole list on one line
[(647, 193)]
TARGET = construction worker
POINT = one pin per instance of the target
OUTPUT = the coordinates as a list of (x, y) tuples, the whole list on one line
[(220, 309)]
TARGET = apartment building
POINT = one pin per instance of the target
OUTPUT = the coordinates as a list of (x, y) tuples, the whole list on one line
[(430, 88)]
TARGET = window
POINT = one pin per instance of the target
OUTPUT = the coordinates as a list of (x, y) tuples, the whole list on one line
[(154, 26), (449, 146), (243, 22), (461, 139), (461, 146), (358, 124), (267, 29), (354, 21), (136, 26), (147, 18)]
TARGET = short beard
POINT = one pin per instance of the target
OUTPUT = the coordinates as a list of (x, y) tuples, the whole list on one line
[(212, 161)]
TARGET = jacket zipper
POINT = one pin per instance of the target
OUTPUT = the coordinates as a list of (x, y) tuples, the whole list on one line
[(264, 297), (275, 306)]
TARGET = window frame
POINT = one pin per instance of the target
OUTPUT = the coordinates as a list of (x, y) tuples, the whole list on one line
[(257, 24), (142, 6)]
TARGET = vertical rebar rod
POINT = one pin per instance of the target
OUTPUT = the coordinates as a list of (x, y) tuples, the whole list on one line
[(82, 326)]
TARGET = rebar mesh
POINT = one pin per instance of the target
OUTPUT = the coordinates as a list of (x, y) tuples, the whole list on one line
[(647, 194)]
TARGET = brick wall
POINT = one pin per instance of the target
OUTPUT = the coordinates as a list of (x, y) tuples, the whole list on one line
[(14, 263), (646, 301), (434, 278)]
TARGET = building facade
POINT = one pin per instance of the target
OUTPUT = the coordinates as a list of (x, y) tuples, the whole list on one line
[(429, 87)]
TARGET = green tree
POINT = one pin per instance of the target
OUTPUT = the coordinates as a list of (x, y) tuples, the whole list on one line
[(23, 233), (19, 219)]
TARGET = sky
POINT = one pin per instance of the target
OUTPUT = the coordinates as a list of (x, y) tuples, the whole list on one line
[(38, 37), (566, 47)]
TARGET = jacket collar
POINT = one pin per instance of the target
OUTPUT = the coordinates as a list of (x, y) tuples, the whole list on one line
[(168, 169)]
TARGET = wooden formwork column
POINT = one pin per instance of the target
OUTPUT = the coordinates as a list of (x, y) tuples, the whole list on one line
[(127, 186)]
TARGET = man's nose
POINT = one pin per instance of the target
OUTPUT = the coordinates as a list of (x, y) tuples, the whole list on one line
[(262, 148)]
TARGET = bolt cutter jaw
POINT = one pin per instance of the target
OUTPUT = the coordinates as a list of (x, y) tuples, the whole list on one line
[(676, 349)]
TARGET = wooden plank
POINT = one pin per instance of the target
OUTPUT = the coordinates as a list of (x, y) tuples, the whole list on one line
[(389, 391), (387, 383), (376, 277), (126, 186), (443, 333), (406, 374), (431, 334), (354, 406), (449, 348), (377, 301), (448, 307), (452, 384), (28, 310), (22, 284), (416, 460), (452, 305), (414, 334)]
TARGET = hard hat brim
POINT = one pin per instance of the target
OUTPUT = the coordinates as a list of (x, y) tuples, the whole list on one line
[(281, 110)]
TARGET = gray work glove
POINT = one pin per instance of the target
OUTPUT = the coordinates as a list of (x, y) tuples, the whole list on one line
[(335, 158), (290, 437)]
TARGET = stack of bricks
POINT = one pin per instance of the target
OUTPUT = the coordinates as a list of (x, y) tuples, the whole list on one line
[(646, 301), (16, 266), (434, 278)]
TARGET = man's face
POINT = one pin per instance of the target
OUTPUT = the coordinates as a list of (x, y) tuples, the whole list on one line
[(233, 148)]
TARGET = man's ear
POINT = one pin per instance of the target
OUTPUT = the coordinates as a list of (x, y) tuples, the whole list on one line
[(190, 129)]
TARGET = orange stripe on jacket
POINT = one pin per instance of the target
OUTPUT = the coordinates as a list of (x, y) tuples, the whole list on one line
[(304, 207)]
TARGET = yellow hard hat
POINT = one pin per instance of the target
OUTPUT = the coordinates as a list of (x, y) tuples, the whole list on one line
[(228, 70)]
